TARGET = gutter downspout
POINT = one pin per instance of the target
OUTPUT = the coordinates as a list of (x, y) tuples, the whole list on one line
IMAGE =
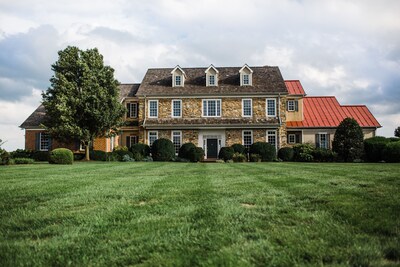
[(144, 121), (279, 118)]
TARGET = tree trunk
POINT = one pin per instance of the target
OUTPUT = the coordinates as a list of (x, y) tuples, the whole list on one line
[(87, 157)]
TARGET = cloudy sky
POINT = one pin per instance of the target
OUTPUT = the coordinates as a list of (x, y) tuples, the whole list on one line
[(350, 49)]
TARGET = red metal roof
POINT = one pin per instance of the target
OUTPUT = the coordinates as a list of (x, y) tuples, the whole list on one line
[(294, 87), (325, 111)]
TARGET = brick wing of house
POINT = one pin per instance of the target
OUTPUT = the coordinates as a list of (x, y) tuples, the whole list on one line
[(215, 107)]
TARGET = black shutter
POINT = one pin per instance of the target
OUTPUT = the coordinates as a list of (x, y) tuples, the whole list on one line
[(296, 105), (328, 141), (37, 141), (137, 110), (317, 140), (128, 106), (128, 141), (287, 105), (297, 139)]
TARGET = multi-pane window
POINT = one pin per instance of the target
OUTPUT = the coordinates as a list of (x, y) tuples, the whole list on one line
[(322, 140), (247, 107), (153, 136), (153, 108), (212, 108), (211, 80), (246, 79), (247, 138), (271, 138), (271, 107), (44, 141), (132, 110), (291, 138), (291, 105), (177, 108), (177, 140), (133, 139), (178, 80)]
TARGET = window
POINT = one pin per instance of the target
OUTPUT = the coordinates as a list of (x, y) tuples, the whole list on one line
[(271, 107), (291, 138), (44, 142), (271, 138), (212, 108), (132, 110), (211, 80), (153, 136), (178, 80), (247, 139), (247, 108), (290, 105), (133, 140), (176, 108), (246, 79), (153, 108), (322, 140), (177, 140)]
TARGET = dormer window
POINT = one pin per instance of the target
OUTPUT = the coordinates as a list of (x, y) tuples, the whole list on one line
[(211, 76), (246, 76), (178, 77)]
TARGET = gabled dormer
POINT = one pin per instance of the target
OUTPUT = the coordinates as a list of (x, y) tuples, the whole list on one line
[(211, 76), (178, 77), (246, 76)]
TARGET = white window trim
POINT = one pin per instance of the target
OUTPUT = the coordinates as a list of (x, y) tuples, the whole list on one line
[(135, 110), (319, 141), (276, 137), (220, 108), (252, 136), (40, 142), (251, 107), (294, 105), (149, 108), (180, 138), (148, 136), (172, 108), (248, 80), (180, 78), (293, 135), (266, 107)]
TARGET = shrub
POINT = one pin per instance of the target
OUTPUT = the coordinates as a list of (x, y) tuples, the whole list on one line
[(226, 153), (142, 149), (137, 156), (286, 153), (255, 158), (23, 161), (41, 156), (392, 152), (348, 142), (22, 153), (120, 153), (127, 158), (147, 159), (4, 157), (162, 150), (110, 156), (323, 155), (266, 151), (302, 152), (374, 148), (79, 156), (196, 154), (184, 150), (61, 156), (98, 155), (238, 157), (121, 148), (239, 148)]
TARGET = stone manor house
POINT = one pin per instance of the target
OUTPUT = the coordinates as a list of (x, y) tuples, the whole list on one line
[(215, 107)]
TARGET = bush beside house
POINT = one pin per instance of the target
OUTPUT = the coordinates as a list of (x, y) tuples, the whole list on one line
[(266, 151), (163, 150), (61, 156)]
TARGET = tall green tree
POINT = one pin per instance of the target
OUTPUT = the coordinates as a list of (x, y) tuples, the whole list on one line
[(82, 101), (348, 140), (397, 132)]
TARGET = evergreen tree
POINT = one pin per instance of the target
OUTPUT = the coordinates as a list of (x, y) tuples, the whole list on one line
[(82, 101), (348, 140)]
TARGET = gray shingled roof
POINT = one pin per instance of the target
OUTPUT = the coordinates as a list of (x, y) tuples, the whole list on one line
[(37, 117), (266, 80)]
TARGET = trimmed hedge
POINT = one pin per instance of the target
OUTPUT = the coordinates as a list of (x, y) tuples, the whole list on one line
[(23, 161), (119, 154), (303, 152), (392, 152), (162, 150), (61, 156), (184, 150), (374, 148), (226, 153), (196, 154), (324, 155), (266, 151), (140, 150), (22, 153), (239, 157), (41, 156), (286, 153), (239, 148)]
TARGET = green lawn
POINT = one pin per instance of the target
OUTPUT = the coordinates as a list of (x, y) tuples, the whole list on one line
[(188, 214)]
